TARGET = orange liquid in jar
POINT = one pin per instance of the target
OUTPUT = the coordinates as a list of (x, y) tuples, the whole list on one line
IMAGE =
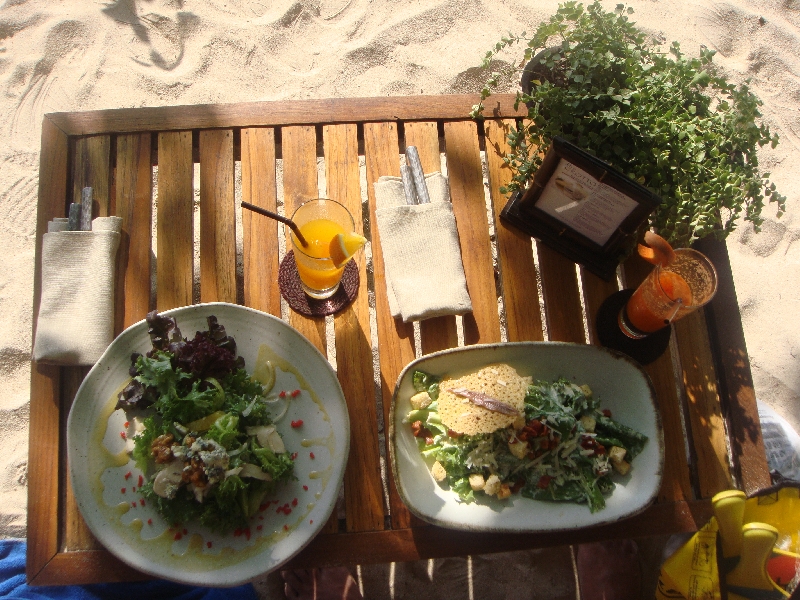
[(319, 274), (648, 314)]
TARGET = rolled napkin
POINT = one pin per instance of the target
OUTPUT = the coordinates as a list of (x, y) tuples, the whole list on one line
[(421, 252), (76, 313)]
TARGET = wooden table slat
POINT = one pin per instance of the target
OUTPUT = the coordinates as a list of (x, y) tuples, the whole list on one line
[(76, 534), (260, 233), (300, 185), (561, 296), (217, 217), (595, 290), (438, 333), (703, 406), (363, 491), (288, 112), (738, 394), (175, 234), (482, 325), (518, 271), (91, 166), (395, 338), (95, 172), (134, 201), (299, 145), (44, 482), (45, 409), (676, 482)]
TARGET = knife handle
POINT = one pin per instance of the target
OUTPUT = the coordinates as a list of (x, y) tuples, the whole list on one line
[(74, 223), (86, 209), (408, 185), (412, 159)]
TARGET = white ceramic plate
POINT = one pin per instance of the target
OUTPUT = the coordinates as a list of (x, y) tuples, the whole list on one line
[(621, 386), (104, 478)]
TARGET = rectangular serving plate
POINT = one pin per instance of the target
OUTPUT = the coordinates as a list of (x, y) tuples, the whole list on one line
[(619, 383)]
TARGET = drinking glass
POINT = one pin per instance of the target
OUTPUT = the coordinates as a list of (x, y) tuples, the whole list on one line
[(319, 220), (669, 293)]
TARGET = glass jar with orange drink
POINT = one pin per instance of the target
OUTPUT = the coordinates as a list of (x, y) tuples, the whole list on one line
[(327, 228), (682, 281)]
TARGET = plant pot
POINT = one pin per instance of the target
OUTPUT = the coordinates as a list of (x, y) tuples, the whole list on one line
[(535, 70)]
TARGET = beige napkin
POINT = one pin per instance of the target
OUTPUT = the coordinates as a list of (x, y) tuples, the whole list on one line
[(76, 314), (421, 253)]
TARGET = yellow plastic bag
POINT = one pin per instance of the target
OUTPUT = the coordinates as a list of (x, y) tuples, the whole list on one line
[(770, 517)]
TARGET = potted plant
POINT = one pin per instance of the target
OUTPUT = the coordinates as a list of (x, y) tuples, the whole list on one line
[(668, 121)]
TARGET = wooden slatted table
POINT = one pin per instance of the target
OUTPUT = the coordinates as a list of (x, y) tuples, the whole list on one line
[(705, 393)]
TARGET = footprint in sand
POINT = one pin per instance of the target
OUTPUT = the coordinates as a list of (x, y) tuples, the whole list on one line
[(381, 43), (762, 45), (725, 25), (765, 242), (19, 190), (793, 249), (473, 79), (161, 30), (32, 78)]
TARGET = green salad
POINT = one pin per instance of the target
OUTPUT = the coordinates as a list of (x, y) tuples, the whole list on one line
[(560, 447), (206, 442)]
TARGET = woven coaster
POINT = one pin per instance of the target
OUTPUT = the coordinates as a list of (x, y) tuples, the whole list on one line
[(292, 290), (645, 350)]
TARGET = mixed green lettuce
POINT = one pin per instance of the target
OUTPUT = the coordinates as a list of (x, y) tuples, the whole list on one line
[(565, 449), (207, 444)]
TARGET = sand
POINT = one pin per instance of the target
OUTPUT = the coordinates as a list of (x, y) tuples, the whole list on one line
[(72, 55)]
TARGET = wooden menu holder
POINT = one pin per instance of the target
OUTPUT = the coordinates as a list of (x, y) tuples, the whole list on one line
[(583, 208)]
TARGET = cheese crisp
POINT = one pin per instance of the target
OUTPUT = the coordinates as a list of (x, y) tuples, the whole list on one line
[(500, 382)]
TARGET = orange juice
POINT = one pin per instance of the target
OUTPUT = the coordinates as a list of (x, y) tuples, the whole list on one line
[(314, 262), (653, 306)]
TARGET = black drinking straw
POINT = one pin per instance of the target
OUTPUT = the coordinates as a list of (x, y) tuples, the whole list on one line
[(277, 217)]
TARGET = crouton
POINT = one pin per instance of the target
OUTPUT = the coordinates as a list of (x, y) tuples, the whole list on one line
[(616, 454), (518, 448), (420, 400), (589, 423), (492, 485), (622, 467), (617, 458), (504, 492), (476, 482), (438, 471)]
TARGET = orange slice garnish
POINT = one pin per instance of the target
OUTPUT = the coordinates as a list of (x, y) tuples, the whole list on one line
[(344, 246), (658, 250)]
